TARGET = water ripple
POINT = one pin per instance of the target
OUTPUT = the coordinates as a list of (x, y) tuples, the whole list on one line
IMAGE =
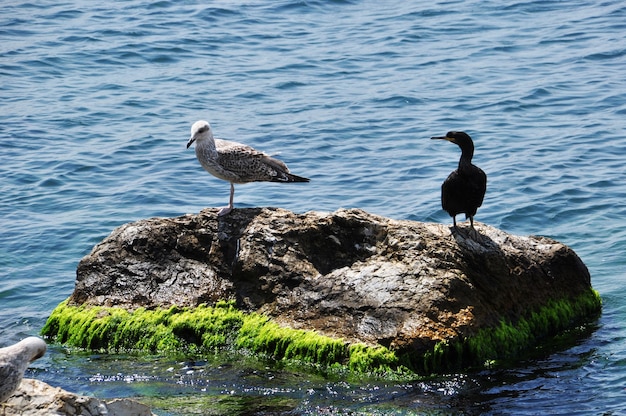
[(97, 101)]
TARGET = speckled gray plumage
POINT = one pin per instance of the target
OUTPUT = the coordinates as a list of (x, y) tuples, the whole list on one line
[(235, 162), (14, 360)]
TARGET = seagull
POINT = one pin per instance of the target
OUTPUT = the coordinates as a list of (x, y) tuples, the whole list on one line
[(235, 162), (14, 360)]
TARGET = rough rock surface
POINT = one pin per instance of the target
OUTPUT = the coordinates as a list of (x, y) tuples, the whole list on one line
[(349, 274), (36, 398)]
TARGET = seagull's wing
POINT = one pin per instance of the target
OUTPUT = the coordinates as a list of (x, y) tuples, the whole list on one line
[(249, 164)]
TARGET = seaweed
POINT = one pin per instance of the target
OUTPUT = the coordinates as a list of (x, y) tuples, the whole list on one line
[(209, 329)]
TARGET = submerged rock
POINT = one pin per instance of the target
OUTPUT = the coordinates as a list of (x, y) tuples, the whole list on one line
[(434, 297), (19, 396), (35, 397)]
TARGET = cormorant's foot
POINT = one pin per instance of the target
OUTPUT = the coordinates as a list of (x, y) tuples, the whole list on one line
[(466, 233), (224, 211), (475, 235), (460, 231)]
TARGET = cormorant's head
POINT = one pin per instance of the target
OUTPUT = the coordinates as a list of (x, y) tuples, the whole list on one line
[(458, 137), (462, 139), (201, 129)]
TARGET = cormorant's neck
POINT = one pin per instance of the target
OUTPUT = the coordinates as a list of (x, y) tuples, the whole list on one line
[(467, 153)]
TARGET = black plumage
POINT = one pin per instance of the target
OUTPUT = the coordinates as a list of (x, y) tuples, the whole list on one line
[(464, 189)]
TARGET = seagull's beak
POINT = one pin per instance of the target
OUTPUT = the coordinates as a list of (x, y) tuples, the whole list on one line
[(191, 140)]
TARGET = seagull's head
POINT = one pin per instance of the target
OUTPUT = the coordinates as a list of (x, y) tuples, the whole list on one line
[(200, 130), (35, 347)]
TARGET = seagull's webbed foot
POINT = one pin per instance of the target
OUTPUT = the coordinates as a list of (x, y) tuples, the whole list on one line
[(224, 211)]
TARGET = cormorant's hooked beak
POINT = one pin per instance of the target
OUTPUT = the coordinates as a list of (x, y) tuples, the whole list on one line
[(191, 140), (450, 139)]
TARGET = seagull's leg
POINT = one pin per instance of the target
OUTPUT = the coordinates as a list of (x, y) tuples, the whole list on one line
[(230, 200), (229, 208)]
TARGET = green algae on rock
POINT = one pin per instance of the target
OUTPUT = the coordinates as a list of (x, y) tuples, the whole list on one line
[(508, 341), (347, 288), (160, 330), (206, 329)]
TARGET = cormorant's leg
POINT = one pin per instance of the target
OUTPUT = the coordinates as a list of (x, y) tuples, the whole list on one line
[(229, 208), (454, 229), (474, 232)]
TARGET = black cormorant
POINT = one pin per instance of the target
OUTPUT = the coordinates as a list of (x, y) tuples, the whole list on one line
[(464, 189)]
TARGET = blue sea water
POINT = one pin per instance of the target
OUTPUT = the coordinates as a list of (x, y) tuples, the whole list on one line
[(96, 102)]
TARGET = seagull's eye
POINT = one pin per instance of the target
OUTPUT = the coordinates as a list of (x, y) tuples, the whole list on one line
[(203, 129)]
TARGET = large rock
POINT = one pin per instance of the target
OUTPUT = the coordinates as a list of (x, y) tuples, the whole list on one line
[(364, 278)]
